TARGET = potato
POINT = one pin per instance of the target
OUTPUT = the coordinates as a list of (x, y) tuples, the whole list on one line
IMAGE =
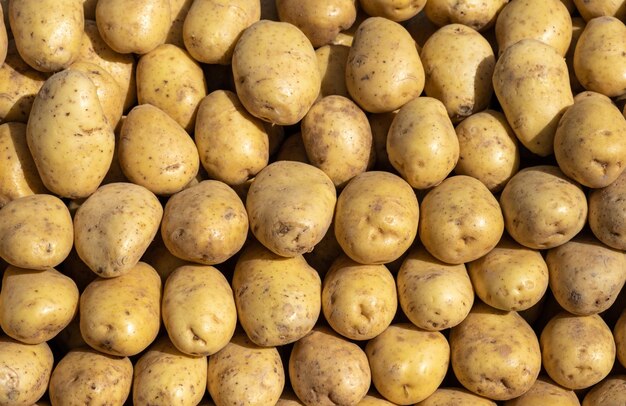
[(495, 353), (18, 173), (578, 26), (454, 397), (242, 373), (542, 208), (609, 392), (373, 400), (165, 376), (121, 316), (320, 21), (288, 398), (290, 206), (392, 9), (461, 76), (114, 227), (283, 90), (199, 310), (460, 220), (24, 370), (510, 276), (68, 134), (35, 232), (359, 301), (606, 213), (233, 145), (596, 8), (84, 376), (488, 149), (384, 70), (168, 78), (136, 27), (619, 334), (545, 391), (577, 351), (292, 149), (327, 370), (205, 223), (337, 138), (408, 364), (178, 14), (532, 85), (278, 299), (47, 33), (4, 38), (165, 166), (476, 14), (433, 295), (376, 218), (421, 144), (332, 60)]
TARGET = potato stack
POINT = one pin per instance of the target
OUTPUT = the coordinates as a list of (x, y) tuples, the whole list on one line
[(313, 202)]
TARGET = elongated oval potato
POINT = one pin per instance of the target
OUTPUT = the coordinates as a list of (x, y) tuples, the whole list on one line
[(290, 206), (165, 376), (135, 27), (461, 76), (454, 397), (384, 70), (85, 376), (199, 310), (606, 213), (545, 392), (477, 14), (531, 82), (213, 27), (121, 316), (168, 78), (25, 371), (233, 145), (332, 60), (597, 8), (275, 72), (278, 299), (47, 34), (114, 227), (337, 138), (155, 152), (421, 144), (610, 392), (36, 305), (35, 232)]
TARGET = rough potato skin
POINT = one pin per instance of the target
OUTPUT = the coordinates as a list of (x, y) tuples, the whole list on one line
[(606, 213), (477, 14), (545, 390), (609, 392)]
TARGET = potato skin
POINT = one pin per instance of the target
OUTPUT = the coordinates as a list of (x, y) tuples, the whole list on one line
[(393, 10), (610, 392), (476, 14), (545, 391), (597, 8), (454, 397), (606, 208), (332, 60)]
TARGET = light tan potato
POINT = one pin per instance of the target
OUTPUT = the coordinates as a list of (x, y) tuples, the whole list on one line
[(68, 135), (278, 299), (377, 86), (376, 218), (394, 10), (577, 351), (606, 213), (337, 138), (85, 376), (47, 33), (609, 392), (531, 83), (597, 8), (421, 144), (35, 232), (545, 392), (488, 149), (619, 335), (374, 400), (327, 370), (114, 227), (205, 223), (332, 60), (24, 370), (460, 220), (275, 72), (242, 373), (408, 364), (542, 208), (165, 166), (476, 14), (178, 14), (136, 27), (461, 76), (233, 145), (168, 78), (290, 206), (455, 397), (121, 316), (165, 376), (495, 353)]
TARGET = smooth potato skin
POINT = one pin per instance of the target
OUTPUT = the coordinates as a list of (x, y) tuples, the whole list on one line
[(476, 14), (545, 391), (597, 8), (606, 220)]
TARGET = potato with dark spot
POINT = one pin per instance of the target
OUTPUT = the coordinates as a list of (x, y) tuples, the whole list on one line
[(477, 14), (607, 213), (408, 364), (332, 60), (610, 392), (545, 392), (455, 397)]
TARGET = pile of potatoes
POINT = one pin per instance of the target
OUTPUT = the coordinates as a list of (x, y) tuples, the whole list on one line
[(313, 202)]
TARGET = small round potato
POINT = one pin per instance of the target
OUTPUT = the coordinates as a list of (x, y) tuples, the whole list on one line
[(408, 364), (460, 220), (590, 9), (545, 392), (326, 370), (477, 14), (542, 208), (606, 213), (85, 376), (455, 397), (332, 60), (394, 10), (577, 351), (376, 218), (609, 392), (433, 295), (278, 299)]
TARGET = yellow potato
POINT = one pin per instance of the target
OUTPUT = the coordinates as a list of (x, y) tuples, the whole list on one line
[(332, 60), (374, 400), (4, 38), (609, 392), (455, 397), (578, 26), (619, 334), (477, 14), (606, 208), (590, 9), (394, 10), (545, 392), (178, 13)]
